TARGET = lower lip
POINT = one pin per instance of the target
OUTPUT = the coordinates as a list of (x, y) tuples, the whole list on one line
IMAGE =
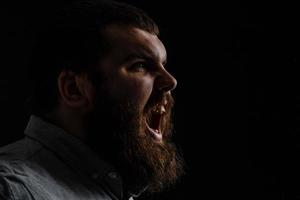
[(155, 135)]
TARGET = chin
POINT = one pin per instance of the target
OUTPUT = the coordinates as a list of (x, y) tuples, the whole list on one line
[(152, 158), (138, 144)]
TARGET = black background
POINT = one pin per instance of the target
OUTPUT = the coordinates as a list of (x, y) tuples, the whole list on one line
[(237, 99)]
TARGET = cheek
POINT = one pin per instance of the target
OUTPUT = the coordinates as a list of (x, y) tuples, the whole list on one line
[(138, 91)]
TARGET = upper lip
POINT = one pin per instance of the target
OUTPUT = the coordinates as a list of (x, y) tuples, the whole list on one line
[(159, 109), (161, 106)]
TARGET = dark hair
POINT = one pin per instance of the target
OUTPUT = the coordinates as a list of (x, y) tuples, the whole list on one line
[(72, 40)]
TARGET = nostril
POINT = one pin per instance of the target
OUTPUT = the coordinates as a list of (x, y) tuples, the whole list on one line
[(169, 83), (165, 81), (174, 83)]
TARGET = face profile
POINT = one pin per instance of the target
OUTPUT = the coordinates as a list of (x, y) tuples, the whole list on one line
[(133, 100), (101, 109)]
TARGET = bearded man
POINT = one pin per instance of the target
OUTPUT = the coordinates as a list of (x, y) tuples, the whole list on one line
[(101, 110)]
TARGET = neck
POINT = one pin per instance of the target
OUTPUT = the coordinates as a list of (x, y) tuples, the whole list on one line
[(67, 120)]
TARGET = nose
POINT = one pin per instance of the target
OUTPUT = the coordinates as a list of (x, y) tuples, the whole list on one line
[(165, 81)]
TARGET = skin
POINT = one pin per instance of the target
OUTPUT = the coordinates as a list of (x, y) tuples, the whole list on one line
[(136, 65), (130, 75), (134, 70)]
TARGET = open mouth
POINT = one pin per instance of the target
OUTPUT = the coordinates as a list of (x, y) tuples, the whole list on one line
[(154, 122)]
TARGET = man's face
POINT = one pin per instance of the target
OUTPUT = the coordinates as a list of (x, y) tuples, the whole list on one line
[(130, 122)]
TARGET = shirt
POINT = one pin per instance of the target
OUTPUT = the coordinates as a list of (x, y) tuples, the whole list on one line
[(50, 164)]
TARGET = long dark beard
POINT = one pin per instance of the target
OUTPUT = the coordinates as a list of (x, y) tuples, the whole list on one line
[(117, 133)]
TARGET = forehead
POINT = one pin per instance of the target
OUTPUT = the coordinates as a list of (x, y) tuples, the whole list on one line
[(125, 40)]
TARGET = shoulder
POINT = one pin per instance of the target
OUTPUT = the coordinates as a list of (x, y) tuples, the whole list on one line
[(5, 189), (11, 185), (22, 149), (14, 159)]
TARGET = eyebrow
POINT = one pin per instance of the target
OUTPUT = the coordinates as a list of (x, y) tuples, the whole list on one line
[(143, 55)]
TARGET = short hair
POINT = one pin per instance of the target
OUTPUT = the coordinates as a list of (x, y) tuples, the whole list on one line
[(72, 40)]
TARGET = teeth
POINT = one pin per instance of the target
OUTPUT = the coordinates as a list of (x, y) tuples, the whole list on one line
[(165, 102), (162, 109), (159, 109), (155, 109)]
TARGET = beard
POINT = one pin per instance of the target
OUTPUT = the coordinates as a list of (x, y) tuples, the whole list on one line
[(117, 133)]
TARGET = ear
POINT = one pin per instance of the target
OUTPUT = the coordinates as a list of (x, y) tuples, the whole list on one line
[(75, 90)]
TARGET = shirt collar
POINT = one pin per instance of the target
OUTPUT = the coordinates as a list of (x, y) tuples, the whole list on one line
[(74, 152)]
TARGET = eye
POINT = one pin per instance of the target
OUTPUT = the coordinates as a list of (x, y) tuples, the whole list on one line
[(139, 67)]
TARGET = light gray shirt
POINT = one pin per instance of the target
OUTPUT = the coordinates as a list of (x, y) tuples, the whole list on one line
[(49, 164)]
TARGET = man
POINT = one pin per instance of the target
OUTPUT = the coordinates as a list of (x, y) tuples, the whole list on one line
[(101, 108)]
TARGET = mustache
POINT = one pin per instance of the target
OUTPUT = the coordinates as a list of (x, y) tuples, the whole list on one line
[(165, 99)]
